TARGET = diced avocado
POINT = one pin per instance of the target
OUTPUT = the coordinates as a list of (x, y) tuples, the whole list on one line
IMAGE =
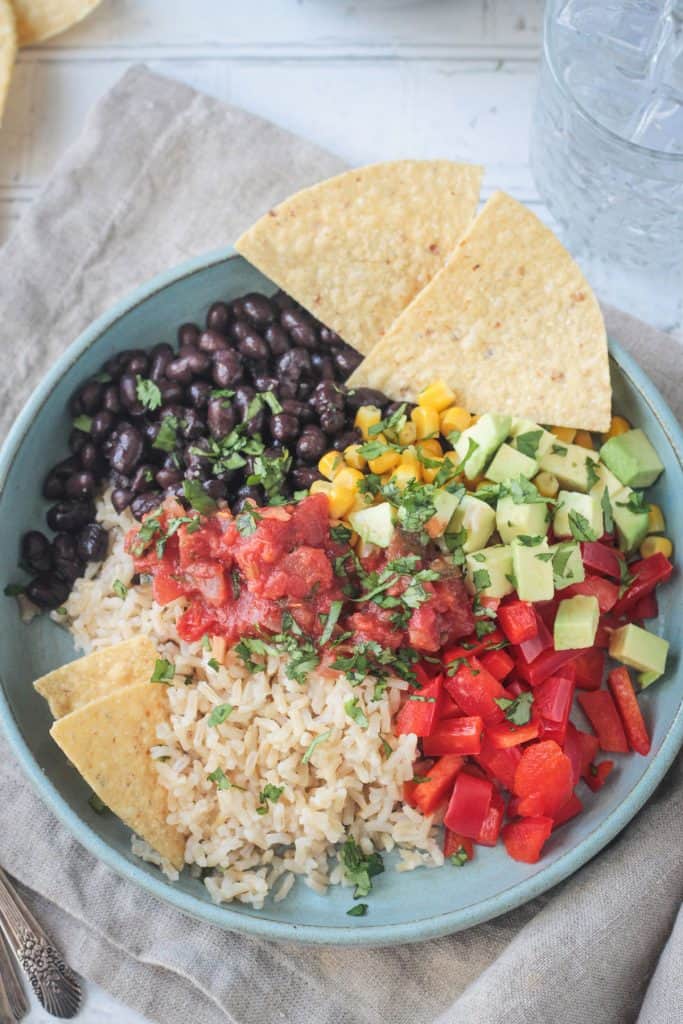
[(576, 623), (567, 564), (445, 504), (639, 649), (488, 433), (508, 464), (632, 459), (527, 435), (513, 520), (582, 511), (569, 463), (646, 679), (606, 481), (532, 568), (496, 562), (630, 519), (374, 525), (477, 518)]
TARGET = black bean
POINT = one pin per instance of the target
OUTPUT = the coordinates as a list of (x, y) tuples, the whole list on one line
[(80, 485), (199, 362), (258, 309), (194, 460), (216, 489), (111, 401), (212, 341), (342, 441), (179, 370), (220, 417), (277, 339), (77, 438), (250, 493), (192, 424), (69, 569), (304, 389), (174, 491), (218, 317), (160, 356), (324, 365), (282, 300), (264, 382), (90, 397), (75, 408), (143, 479), (144, 503), (188, 334), (47, 590), (171, 391), (127, 449), (346, 360), (227, 369), (89, 458), (256, 424), (237, 309), (253, 347), (121, 498), (304, 476), (284, 426), (311, 445), (36, 554), (295, 317), (305, 335), (69, 516), (240, 329), (114, 366), (92, 543), (102, 423), (64, 546), (242, 399), (302, 410), (138, 364), (167, 477), (332, 420), (199, 393), (53, 486), (327, 395), (365, 396), (294, 364), (128, 391), (287, 389), (328, 336)]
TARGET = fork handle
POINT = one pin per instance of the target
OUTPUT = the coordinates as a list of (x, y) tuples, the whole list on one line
[(10, 984), (53, 982)]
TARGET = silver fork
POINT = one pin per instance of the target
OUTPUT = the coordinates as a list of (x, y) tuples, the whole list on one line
[(52, 980), (13, 1002)]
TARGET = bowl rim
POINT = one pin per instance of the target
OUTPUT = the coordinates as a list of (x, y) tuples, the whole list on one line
[(223, 915)]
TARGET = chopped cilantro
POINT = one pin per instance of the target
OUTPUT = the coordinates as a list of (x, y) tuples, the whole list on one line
[(387, 749), (341, 534), (220, 713), (359, 869), (580, 527), (517, 710), (482, 628), (269, 793), (322, 738), (222, 781), (527, 541), (560, 559), (391, 426), (250, 646), (270, 473), (148, 393), (626, 578), (635, 502), (83, 423), (268, 398), (544, 556), (14, 589), (98, 806), (459, 858), (214, 664), (606, 506), (206, 642), (591, 475), (527, 443), (358, 910), (167, 438), (355, 712), (481, 579), (197, 497), (559, 449), (246, 521), (119, 588), (163, 671), (331, 621)]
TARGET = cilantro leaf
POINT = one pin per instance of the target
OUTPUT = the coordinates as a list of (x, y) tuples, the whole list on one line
[(559, 449), (606, 506), (518, 710), (635, 502), (163, 672), (222, 781), (359, 869), (358, 910), (591, 475), (331, 622), (119, 588), (355, 712), (167, 438), (197, 497), (459, 858), (246, 521), (322, 738), (527, 443), (83, 423), (270, 473), (269, 793), (481, 579), (580, 527), (220, 714), (148, 394)]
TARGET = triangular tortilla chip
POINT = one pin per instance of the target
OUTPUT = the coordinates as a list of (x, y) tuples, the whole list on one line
[(510, 323), (8, 50), (109, 741), (97, 675), (355, 249), (40, 19)]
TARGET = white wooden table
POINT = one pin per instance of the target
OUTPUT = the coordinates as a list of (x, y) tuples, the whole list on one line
[(368, 79)]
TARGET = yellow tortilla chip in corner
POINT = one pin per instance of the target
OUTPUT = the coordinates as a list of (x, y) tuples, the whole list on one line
[(355, 250), (70, 687), (8, 50), (109, 741), (510, 323), (40, 19)]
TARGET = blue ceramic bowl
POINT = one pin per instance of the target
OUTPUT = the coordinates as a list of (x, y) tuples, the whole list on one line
[(403, 907)]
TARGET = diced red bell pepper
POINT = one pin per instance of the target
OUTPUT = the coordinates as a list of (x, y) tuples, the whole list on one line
[(647, 573), (596, 776), (572, 807), (553, 702), (603, 634), (469, 805), (645, 608), (601, 712), (515, 686), (621, 688), (421, 710), (505, 734), (581, 748), (605, 591), (501, 764), (475, 690), (590, 668), (524, 839), (455, 736), (449, 709), (498, 663), (599, 558), (543, 779), (164, 587), (425, 672), (421, 770), (430, 795), (542, 641), (518, 621), (490, 830), (549, 663), (454, 843), (472, 646)]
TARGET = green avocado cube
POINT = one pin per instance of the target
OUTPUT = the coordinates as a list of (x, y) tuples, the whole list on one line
[(632, 459), (532, 567), (578, 515), (489, 572), (631, 518), (478, 443), (374, 525), (509, 464), (569, 463), (514, 520), (477, 518), (639, 649), (576, 623), (606, 481), (531, 439), (567, 564)]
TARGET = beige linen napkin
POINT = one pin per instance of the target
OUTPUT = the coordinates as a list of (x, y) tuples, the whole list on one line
[(162, 173)]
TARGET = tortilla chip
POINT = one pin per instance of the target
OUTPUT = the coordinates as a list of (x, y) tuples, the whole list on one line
[(8, 50), (108, 741), (98, 674), (355, 249), (510, 323), (40, 19)]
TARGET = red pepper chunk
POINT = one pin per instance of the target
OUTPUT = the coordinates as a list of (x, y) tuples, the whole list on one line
[(624, 695), (601, 712), (475, 690), (454, 843), (549, 663), (430, 795), (590, 668), (455, 736), (420, 711), (581, 748), (647, 574), (604, 591), (506, 734), (572, 807), (598, 557), (596, 777), (498, 663), (518, 621), (543, 779), (501, 764), (490, 830), (469, 805), (524, 839)]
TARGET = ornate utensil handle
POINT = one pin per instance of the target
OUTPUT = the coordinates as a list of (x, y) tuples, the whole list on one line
[(10, 984), (52, 980)]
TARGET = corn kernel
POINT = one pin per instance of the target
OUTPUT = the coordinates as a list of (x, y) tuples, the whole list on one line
[(341, 500), (407, 434), (455, 418), (437, 396), (584, 439), (320, 487), (384, 463), (426, 421), (655, 519), (431, 448), (547, 485), (410, 460), (330, 464), (366, 417), (566, 434), (348, 477), (429, 473), (353, 457), (619, 425), (402, 475), (656, 546)]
